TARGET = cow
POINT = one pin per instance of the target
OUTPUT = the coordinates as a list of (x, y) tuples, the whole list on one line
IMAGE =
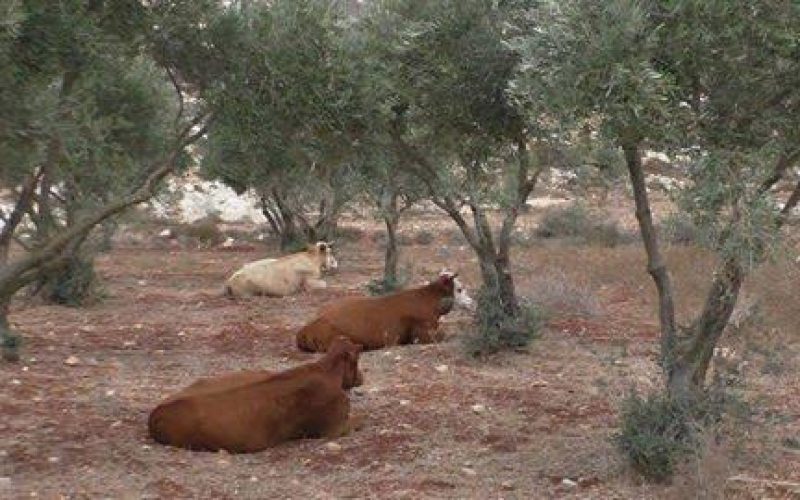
[(285, 275), (249, 411), (403, 317)]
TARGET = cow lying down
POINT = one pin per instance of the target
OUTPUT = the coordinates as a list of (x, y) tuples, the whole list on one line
[(403, 317), (249, 411), (285, 275)]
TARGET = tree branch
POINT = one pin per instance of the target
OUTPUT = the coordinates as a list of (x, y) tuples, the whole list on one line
[(20, 208)]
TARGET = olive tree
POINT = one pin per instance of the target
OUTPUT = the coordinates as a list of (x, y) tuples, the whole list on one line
[(442, 69), (90, 126), (286, 114), (713, 82)]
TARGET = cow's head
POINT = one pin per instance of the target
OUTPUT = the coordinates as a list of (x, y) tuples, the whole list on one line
[(323, 252), (460, 297), (343, 352)]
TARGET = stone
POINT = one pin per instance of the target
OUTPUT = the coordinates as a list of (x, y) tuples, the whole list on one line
[(333, 446), (478, 408), (72, 361), (441, 368)]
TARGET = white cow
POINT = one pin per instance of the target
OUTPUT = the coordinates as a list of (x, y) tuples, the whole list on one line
[(285, 275)]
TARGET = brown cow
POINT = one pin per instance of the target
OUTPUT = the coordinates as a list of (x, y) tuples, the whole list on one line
[(403, 317), (250, 411)]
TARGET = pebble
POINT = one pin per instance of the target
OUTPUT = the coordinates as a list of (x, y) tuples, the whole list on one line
[(15, 381), (404, 402), (253, 479), (5, 482), (468, 472), (53, 460), (142, 282), (333, 446), (441, 368), (478, 408), (569, 483), (72, 361), (507, 485)]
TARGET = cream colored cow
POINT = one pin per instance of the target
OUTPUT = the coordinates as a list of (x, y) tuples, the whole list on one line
[(285, 275)]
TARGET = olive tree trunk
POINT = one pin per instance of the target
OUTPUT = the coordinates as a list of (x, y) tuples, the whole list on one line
[(686, 354), (391, 217)]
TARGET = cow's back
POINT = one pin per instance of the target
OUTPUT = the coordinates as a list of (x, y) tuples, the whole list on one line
[(373, 322), (246, 414)]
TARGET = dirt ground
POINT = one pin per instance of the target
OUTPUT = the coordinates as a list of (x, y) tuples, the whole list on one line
[(438, 424)]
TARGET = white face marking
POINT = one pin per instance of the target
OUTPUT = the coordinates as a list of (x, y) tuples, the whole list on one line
[(460, 295)]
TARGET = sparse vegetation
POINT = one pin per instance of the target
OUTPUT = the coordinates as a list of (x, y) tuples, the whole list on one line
[(554, 291), (495, 330), (76, 285), (678, 228), (577, 222), (658, 433)]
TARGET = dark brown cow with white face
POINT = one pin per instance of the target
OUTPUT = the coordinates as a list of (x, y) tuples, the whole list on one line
[(250, 411), (403, 317)]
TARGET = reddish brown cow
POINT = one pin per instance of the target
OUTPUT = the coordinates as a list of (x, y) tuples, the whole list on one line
[(374, 322), (249, 411)]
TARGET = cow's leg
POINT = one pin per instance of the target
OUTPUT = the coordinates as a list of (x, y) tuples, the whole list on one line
[(336, 421), (428, 332)]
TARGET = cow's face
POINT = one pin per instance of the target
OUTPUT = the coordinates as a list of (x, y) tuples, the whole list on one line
[(347, 352), (324, 253), (460, 296)]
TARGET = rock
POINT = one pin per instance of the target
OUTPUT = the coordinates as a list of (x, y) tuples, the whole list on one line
[(253, 479), (569, 483), (166, 233), (229, 242), (53, 460), (181, 333), (142, 282), (72, 361), (333, 446), (441, 368), (478, 408), (404, 402), (507, 485), (110, 392), (15, 381), (469, 472), (5, 482)]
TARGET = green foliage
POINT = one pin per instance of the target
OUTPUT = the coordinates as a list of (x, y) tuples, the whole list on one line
[(658, 432), (678, 228), (576, 221), (10, 344), (497, 330), (75, 285)]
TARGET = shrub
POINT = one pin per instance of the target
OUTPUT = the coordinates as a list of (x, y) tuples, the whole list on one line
[(678, 228), (75, 285), (497, 330), (424, 237), (564, 221), (656, 433), (10, 344), (205, 231), (576, 221), (659, 433), (555, 291)]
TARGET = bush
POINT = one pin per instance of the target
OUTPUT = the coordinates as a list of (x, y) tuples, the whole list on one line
[(424, 237), (576, 221), (496, 330), (659, 433), (75, 285), (205, 231), (678, 228), (567, 221), (10, 344)]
